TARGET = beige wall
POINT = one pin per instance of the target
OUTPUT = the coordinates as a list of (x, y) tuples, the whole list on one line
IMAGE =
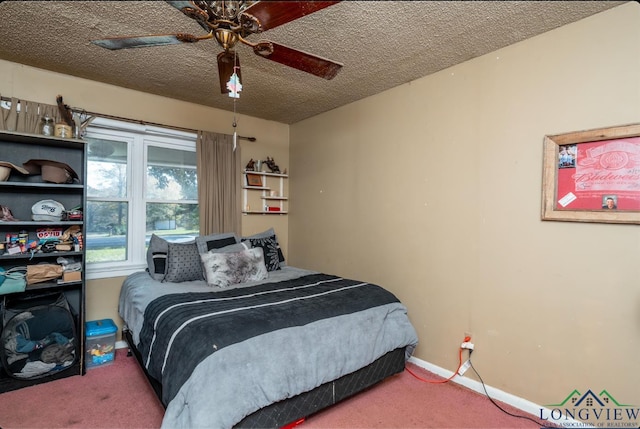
[(29, 83), (433, 190)]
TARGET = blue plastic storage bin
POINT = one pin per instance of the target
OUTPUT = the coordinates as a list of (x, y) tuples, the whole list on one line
[(100, 345)]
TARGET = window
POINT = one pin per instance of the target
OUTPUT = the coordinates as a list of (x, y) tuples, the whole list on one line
[(141, 180)]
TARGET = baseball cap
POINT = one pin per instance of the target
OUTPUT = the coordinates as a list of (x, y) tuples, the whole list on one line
[(47, 210)]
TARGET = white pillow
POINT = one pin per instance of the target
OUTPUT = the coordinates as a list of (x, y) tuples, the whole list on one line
[(225, 269)]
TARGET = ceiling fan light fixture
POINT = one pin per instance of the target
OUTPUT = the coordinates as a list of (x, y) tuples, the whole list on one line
[(227, 10), (226, 38)]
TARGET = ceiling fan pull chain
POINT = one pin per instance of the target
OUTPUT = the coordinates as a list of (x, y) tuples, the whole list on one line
[(234, 87), (235, 133)]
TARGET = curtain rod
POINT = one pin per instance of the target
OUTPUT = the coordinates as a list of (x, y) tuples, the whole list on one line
[(136, 121)]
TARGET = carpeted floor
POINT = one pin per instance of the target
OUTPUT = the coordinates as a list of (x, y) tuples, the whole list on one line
[(402, 401), (119, 396), (113, 396)]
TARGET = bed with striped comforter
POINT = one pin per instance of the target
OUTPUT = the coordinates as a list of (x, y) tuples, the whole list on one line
[(221, 355)]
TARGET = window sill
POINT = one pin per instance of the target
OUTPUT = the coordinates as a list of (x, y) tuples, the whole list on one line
[(94, 273)]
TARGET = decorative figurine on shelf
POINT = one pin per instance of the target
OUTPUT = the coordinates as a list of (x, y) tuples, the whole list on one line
[(272, 165), (65, 127), (66, 115), (250, 165)]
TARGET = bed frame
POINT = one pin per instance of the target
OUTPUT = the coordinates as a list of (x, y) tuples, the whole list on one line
[(292, 410)]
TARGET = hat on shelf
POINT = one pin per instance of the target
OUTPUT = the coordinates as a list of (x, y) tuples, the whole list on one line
[(47, 210), (52, 171), (5, 170)]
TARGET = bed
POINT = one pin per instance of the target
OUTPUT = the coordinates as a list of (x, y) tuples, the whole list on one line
[(265, 351)]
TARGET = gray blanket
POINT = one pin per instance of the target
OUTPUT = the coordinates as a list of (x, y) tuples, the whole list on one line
[(247, 375)]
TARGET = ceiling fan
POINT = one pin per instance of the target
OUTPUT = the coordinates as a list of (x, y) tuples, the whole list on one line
[(230, 22)]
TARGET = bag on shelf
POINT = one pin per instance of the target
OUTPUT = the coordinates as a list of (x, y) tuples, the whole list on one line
[(39, 273), (13, 280), (38, 336)]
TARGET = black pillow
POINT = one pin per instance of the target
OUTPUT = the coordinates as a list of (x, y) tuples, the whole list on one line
[(269, 233), (271, 249)]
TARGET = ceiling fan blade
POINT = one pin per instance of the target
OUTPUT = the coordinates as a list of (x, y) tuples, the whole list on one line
[(115, 43), (180, 4), (225, 68), (300, 60), (271, 14)]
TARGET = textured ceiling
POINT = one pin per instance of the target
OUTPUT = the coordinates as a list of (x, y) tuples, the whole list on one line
[(382, 44)]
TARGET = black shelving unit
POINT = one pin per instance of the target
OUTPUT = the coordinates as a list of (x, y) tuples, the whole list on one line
[(19, 193)]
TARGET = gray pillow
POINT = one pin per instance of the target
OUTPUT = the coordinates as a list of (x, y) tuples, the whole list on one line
[(216, 241), (183, 263), (157, 257), (225, 269)]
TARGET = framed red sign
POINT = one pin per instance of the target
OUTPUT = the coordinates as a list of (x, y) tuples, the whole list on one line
[(592, 176)]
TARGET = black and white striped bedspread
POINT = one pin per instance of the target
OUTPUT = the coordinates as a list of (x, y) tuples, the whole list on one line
[(282, 338), (203, 323)]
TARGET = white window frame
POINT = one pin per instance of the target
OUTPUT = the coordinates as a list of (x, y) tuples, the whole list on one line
[(138, 137)]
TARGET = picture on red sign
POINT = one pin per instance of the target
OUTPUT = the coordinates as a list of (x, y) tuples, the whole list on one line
[(567, 156), (609, 202)]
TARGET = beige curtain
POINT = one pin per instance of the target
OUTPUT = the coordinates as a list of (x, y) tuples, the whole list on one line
[(28, 118), (218, 183)]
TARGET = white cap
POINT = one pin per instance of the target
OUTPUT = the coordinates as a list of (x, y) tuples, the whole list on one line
[(47, 210)]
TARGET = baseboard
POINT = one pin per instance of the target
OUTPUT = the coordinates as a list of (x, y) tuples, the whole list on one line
[(496, 394), (123, 345)]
